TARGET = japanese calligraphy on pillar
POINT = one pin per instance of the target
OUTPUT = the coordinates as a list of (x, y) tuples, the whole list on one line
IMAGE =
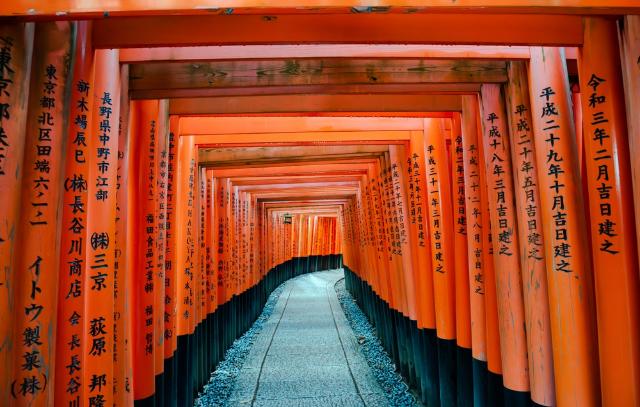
[(33, 380), (474, 189), (598, 129), (220, 250), (189, 264), (101, 229), (361, 205), (248, 240), (526, 179), (7, 71), (416, 196), (609, 178), (441, 220), (532, 259), (47, 122), (474, 210), (170, 255), (122, 287), (498, 177), (400, 234), (160, 201), (73, 259), (372, 241), (435, 217), (376, 222), (412, 197), (202, 261), (184, 231), (387, 214), (233, 233), (145, 139), (459, 203), (211, 283), (252, 240), (16, 43), (31, 365), (150, 245), (570, 294), (37, 260), (562, 250)]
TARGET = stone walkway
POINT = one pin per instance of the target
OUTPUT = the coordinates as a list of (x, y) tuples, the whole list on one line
[(306, 353)]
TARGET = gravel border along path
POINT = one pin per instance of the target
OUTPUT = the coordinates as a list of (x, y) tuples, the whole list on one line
[(220, 386), (384, 370)]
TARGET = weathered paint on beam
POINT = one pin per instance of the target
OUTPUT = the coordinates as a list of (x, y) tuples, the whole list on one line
[(388, 88), (310, 104), (467, 29), (96, 8), (301, 72), (374, 51), (226, 156)]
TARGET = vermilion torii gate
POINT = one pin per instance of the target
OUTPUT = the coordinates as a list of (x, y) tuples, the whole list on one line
[(470, 163)]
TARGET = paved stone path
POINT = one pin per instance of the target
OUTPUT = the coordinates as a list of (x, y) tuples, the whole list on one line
[(307, 354)]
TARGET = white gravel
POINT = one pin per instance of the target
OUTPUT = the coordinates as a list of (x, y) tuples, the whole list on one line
[(384, 370)]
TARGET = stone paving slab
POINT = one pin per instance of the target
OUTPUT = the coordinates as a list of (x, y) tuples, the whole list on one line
[(307, 355)]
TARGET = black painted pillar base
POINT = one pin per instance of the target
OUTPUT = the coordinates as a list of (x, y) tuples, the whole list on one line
[(516, 398), (171, 380), (495, 390), (480, 384), (464, 382), (447, 360), (430, 385)]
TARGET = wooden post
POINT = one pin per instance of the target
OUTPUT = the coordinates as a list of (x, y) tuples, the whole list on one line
[(569, 277), (72, 293), (463, 317), (171, 268), (613, 234), (534, 277), (397, 298), (160, 198), (495, 386), (16, 47), (144, 115), (403, 237), (497, 155), (185, 251), (212, 283), (475, 246), (37, 242), (420, 220), (101, 229), (124, 314), (440, 221), (531, 254), (629, 39)]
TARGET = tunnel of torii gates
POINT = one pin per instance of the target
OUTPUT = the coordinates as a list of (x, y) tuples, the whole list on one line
[(164, 166)]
